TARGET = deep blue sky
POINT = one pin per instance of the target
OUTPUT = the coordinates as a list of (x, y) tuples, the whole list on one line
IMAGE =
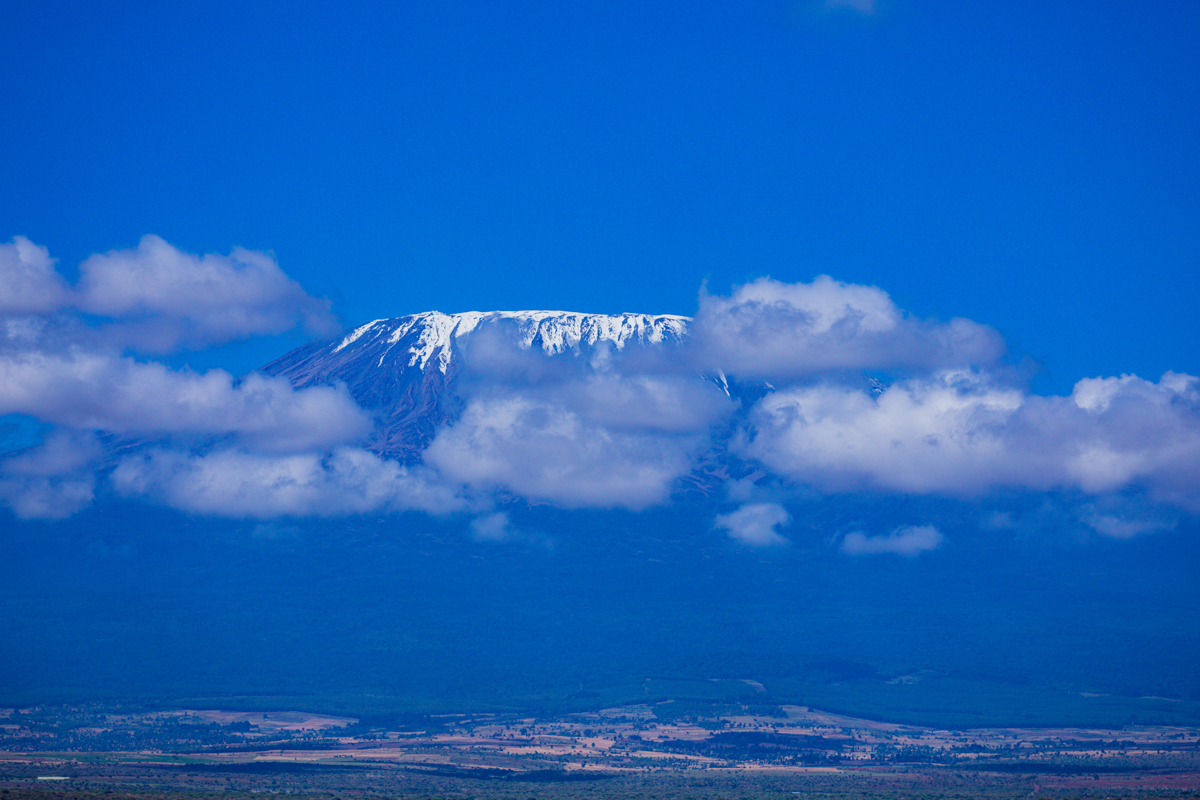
[(1026, 164)]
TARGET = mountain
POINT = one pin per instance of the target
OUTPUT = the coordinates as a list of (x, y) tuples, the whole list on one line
[(405, 369)]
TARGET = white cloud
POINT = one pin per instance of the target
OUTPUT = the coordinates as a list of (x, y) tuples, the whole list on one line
[(165, 297), (156, 298), (64, 368), (29, 282), (782, 331), (1116, 527), (491, 527), (662, 403), (47, 498), (959, 432), (53, 480), (755, 523), (236, 483), (1124, 517), (611, 429), (95, 391), (908, 542), (549, 453), (917, 436)]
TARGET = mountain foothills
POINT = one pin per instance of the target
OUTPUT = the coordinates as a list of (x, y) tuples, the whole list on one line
[(406, 370)]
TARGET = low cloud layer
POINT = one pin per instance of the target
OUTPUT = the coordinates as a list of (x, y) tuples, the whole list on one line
[(772, 376)]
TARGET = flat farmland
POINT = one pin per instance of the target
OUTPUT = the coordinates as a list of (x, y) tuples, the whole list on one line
[(634, 751)]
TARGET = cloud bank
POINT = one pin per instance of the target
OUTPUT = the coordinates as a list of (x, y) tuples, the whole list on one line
[(772, 376)]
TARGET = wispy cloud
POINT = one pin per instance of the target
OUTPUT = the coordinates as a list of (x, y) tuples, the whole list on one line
[(755, 524), (865, 7), (494, 527), (907, 542)]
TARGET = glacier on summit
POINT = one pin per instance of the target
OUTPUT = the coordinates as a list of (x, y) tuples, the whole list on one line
[(554, 331)]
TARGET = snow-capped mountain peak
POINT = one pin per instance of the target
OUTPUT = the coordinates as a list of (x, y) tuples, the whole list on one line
[(404, 369), (430, 335)]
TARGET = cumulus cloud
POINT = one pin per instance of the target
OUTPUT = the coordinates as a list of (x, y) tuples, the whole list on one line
[(165, 297), (236, 483), (908, 542), (60, 369), (156, 298), (121, 395), (755, 523), (780, 331), (30, 282), (60, 362), (661, 403), (550, 453), (611, 429), (959, 432)]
